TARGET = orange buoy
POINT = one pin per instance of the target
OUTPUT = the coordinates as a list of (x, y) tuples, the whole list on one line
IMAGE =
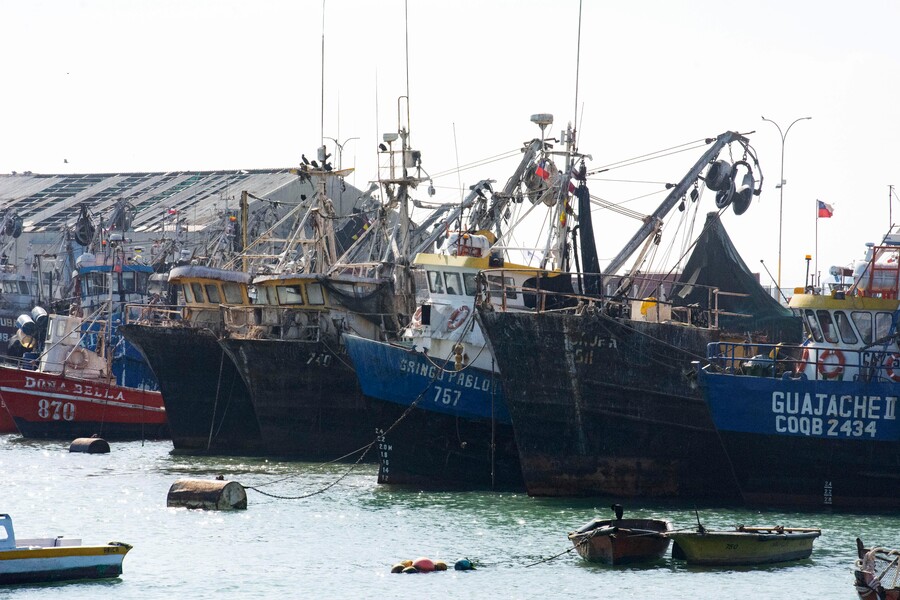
[(423, 564)]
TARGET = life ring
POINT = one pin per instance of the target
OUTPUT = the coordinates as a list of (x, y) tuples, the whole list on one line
[(800, 366), (830, 370), (458, 317), (77, 359), (417, 318), (892, 367)]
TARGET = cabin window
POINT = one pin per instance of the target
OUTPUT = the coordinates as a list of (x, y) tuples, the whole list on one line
[(289, 294), (212, 292), (828, 327), (844, 327), (497, 284), (813, 326), (882, 325), (188, 296), (314, 293), (471, 285), (23, 288), (454, 283), (233, 293), (435, 282), (127, 283), (197, 290), (863, 321)]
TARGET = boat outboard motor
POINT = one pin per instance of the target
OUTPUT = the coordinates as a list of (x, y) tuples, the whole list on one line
[(718, 176)]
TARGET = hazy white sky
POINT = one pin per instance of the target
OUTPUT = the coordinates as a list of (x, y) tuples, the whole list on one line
[(199, 85)]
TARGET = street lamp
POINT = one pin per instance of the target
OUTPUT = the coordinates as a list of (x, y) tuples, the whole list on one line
[(340, 148), (780, 186)]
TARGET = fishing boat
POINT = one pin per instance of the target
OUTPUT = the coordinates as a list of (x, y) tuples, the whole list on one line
[(41, 560), (439, 376), (81, 378), (597, 391), (872, 569), (621, 541), (207, 403), (743, 546), (826, 408)]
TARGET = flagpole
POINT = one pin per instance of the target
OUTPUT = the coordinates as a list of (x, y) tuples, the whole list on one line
[(817, 244)]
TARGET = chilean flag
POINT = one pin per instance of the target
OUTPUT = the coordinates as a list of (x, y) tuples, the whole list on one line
[(825, 210), (541, 172)]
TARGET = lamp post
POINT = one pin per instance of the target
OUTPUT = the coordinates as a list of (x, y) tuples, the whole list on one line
[(780, 186), (340, 148)]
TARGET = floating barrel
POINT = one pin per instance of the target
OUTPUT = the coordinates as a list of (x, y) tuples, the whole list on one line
[(91, 445), (210, 495)]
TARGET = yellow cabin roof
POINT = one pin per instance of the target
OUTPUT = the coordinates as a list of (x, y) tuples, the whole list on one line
[(816, 302)]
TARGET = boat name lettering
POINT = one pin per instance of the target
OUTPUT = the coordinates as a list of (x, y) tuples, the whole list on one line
[(846, 406), (595, 341), (7, 322), (75, 388), (4, 337), (462, 379)]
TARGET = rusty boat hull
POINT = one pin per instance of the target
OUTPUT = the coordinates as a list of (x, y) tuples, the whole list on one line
[(207, 403)]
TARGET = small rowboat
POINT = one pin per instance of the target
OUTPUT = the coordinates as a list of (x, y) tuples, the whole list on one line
[(876, 568), (744, 545), (620, 541), (40, 560)]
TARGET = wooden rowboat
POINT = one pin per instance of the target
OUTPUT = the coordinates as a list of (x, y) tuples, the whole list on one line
[(620, 541), (876, 568), (40, 560), (744, 545)]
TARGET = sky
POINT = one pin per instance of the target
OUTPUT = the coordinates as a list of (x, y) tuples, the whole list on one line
[(100, 86)]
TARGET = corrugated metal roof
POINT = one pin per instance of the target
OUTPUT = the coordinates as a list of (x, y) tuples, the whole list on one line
[(49, 202)]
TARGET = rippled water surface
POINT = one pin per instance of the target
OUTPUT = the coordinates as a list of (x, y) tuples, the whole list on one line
[(341, 542)]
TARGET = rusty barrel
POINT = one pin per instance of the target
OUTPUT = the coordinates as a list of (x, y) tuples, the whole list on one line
[(207, 494), (91, 445)]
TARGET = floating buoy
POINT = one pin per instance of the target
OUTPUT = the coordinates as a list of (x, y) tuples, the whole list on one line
[(406, 563), (423, 564), (398, 568), (410, 570), (209, 495), (91, 445), (440, 565), (464, 565)]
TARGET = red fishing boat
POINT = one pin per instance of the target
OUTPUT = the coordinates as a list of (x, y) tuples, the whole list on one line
[(71, 392), (7, 425)]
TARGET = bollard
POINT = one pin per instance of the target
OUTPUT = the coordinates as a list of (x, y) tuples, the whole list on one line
[(209, 495), (91, 445)]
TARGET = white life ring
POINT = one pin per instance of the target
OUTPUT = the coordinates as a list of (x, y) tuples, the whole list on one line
[(892, 367), (458, 317), (77, 358), (417, 318), (831, 369)]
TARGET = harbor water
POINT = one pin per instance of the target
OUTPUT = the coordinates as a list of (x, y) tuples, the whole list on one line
[(329, 530)]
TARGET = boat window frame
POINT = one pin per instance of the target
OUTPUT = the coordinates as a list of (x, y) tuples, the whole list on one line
[(845, 327), (201, 297), (188, 294), (829, 329), (286, 294), (883, 322), (315, 294), (470, 281), (496, 283), (23, 288), (459, 288), (435, 279), (216, 296), (234, 293), (812, 325), (865, 328)]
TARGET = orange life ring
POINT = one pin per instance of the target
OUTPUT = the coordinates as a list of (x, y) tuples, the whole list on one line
[(458, 317), (830, 370), (892, 367)]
